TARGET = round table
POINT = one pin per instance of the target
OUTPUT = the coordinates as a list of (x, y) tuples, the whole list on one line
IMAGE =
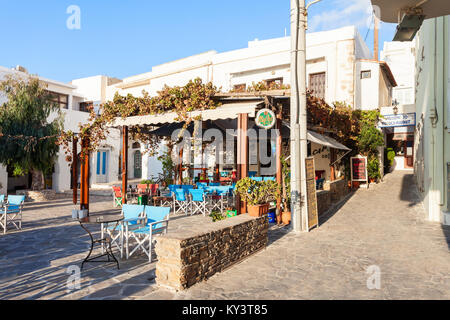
[(100, 219)]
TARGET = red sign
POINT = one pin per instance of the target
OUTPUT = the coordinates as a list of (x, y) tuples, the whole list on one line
[(359, 168)]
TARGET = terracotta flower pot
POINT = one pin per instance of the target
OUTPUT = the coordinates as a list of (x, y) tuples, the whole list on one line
[(258, 210), (286, 217)]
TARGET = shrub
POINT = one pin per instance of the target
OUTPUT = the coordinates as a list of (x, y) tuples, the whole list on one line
[(257, 192)]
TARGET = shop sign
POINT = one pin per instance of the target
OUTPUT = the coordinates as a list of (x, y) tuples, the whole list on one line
[(397, 120), (265, 118), (358, 167), (311, 196)]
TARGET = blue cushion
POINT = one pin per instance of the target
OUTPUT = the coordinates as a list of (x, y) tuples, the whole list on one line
[(180, 195), (197, 195), (16, 200), (132, 211)]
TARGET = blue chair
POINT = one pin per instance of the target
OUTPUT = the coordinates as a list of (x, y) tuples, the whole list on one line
[(257, 178), (130, 213), (12, 212), (181, 201), (186, 188), (215, 184), (252, 174), (157, 222), (198, 201), (173, 187), (269, 179), (220, 197)]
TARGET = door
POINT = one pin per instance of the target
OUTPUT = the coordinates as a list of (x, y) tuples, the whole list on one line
[(317, 84), (102, 165), (409, 154), (137, 164)]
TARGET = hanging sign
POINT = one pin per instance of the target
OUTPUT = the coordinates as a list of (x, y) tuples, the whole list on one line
[(398, 120), (358, 167), (265, 118)]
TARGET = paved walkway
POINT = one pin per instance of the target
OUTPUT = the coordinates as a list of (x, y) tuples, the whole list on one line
[(381, 226)]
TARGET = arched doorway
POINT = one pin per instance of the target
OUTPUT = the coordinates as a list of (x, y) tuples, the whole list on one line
[(137, 164)]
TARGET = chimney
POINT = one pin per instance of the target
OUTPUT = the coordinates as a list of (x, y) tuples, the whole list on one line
[(20, 69)]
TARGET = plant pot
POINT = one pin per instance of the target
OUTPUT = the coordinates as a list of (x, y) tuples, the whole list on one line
[(258, 210), (286, 217)]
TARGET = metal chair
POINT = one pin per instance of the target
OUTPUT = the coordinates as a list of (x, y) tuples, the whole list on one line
[(157, 222), (11, 212), (198, 202)]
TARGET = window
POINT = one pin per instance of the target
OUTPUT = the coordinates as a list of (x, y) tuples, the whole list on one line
[(84, 106), (239, 87), (136, 145), (367, 74), (61, 99), (317, 84), (274, 83)]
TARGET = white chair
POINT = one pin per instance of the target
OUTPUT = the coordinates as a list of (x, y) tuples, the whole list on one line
[(115, 231), (11, 212), (157, 222), (198, 202), (180, 201)]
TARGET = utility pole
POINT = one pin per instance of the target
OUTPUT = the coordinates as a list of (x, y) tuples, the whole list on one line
[(298, 113), (299, 146)]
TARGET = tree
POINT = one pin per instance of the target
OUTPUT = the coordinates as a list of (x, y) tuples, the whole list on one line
[(28, 139)]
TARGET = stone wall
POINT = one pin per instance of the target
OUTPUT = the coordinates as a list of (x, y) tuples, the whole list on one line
[(338, 189), (323, 201), (186, 257)]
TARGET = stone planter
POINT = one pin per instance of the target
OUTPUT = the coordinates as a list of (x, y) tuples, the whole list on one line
[(258, 210), (286, 217)]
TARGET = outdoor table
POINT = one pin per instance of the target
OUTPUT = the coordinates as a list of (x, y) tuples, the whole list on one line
[(162, 200), (100, 219)]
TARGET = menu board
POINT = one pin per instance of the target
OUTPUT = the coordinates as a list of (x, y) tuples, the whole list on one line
[(313, 215), (359, 168)]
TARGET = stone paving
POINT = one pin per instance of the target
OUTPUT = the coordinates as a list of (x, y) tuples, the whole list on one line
[(383, 226)]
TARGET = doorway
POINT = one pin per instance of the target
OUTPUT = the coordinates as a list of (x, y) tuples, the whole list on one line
[(102, 166)]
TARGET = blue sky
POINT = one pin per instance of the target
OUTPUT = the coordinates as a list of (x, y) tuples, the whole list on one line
[(124, 38)]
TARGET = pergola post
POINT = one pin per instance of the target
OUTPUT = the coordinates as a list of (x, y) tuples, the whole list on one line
[(278, 157), (242, 148), (84, 188), (124, 163), (75, 169)]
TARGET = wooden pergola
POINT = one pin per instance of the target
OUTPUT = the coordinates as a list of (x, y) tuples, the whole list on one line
[(239, 106)]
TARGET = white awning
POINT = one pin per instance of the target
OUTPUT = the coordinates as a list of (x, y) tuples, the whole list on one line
[(389, 10), (325, 141), (226, 111)]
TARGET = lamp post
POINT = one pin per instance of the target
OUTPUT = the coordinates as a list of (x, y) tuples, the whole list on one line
[(299, 145)]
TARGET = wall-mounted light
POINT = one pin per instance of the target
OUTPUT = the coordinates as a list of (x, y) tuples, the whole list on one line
[(408, 27), (395, 104)]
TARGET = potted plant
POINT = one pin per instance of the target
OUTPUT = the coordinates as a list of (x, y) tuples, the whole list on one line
[(373, 169), (285, 215), (257, 195)]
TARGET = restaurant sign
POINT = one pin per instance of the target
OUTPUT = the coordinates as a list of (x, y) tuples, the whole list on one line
[(265, 119), (311, 196), (358, 167), (397, 120)]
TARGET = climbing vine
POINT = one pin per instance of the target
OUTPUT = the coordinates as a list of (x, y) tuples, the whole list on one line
[(193, 96)]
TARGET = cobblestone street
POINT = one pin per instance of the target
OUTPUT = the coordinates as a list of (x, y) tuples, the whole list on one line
[(382, 226)]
